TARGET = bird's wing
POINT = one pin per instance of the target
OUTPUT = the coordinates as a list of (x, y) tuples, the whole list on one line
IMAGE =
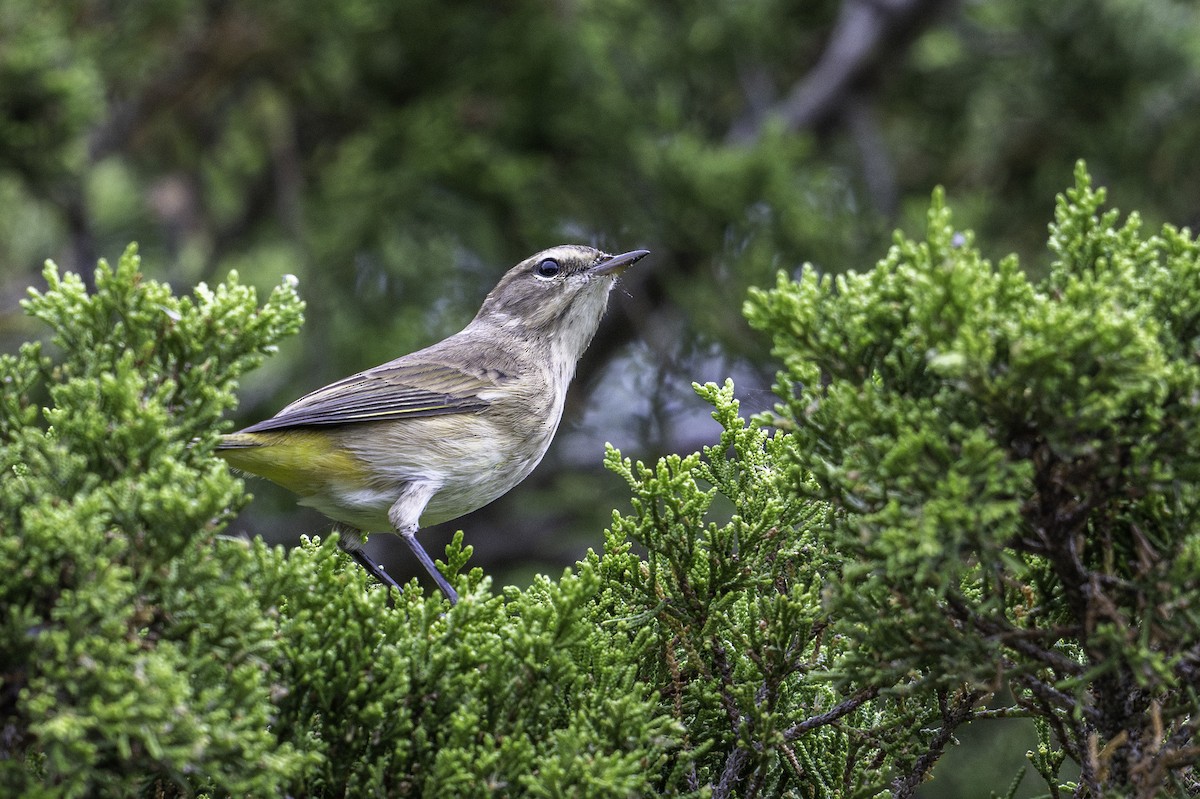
[(402, 389)]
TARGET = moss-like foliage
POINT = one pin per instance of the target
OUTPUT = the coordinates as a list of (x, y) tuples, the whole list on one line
[(1014, 477), (132, 649), (974, 486)]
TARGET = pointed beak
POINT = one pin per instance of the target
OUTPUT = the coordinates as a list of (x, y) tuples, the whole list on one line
[(616, 264)]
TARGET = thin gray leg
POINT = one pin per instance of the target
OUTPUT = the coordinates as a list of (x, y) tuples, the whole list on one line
[(405, 516), (427, 562), (374, 569), (350, 541)]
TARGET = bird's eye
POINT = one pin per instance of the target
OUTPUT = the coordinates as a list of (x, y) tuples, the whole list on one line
[(547, 267)]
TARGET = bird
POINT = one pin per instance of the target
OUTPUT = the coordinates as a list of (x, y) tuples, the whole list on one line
[(443, 431)]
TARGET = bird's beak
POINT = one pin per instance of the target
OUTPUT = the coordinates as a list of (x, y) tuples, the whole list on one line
[(616, 264)]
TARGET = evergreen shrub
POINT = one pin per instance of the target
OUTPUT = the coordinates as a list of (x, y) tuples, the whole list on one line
[(976, 498)]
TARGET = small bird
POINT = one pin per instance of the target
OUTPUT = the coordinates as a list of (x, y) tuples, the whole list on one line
[(440, 432)]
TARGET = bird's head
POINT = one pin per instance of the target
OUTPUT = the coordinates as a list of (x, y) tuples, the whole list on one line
[(558, 294)]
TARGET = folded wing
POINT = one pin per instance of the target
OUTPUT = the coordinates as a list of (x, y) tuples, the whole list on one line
[(389, 392)]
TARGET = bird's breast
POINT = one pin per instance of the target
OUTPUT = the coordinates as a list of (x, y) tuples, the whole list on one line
[(474, 457)]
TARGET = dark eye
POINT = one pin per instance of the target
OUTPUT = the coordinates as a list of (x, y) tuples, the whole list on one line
[(547, 268)]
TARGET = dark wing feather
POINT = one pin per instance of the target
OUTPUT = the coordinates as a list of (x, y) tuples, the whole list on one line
[(402, 389)]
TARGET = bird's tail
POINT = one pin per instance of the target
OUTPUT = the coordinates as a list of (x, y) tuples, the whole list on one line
[(303, 461), (239, 441)]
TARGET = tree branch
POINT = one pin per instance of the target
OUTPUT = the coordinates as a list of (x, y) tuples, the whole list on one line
[(833, 714), (953, 716), (864, 32)]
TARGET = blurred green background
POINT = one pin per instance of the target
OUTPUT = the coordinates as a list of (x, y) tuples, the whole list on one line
[(398, 155)]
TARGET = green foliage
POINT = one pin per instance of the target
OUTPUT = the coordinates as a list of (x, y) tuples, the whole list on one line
[(517, 693), (397, 154), (141, 653), (111, 678), (50, 95), (1010, 465), (974, 486), (725, 613)]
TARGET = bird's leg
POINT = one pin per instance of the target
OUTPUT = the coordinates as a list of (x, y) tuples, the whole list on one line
[(404, 515), (374, 569), (351, 543), (410, 538)]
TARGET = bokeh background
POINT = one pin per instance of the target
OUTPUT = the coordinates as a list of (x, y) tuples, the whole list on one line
[(398, 155)]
